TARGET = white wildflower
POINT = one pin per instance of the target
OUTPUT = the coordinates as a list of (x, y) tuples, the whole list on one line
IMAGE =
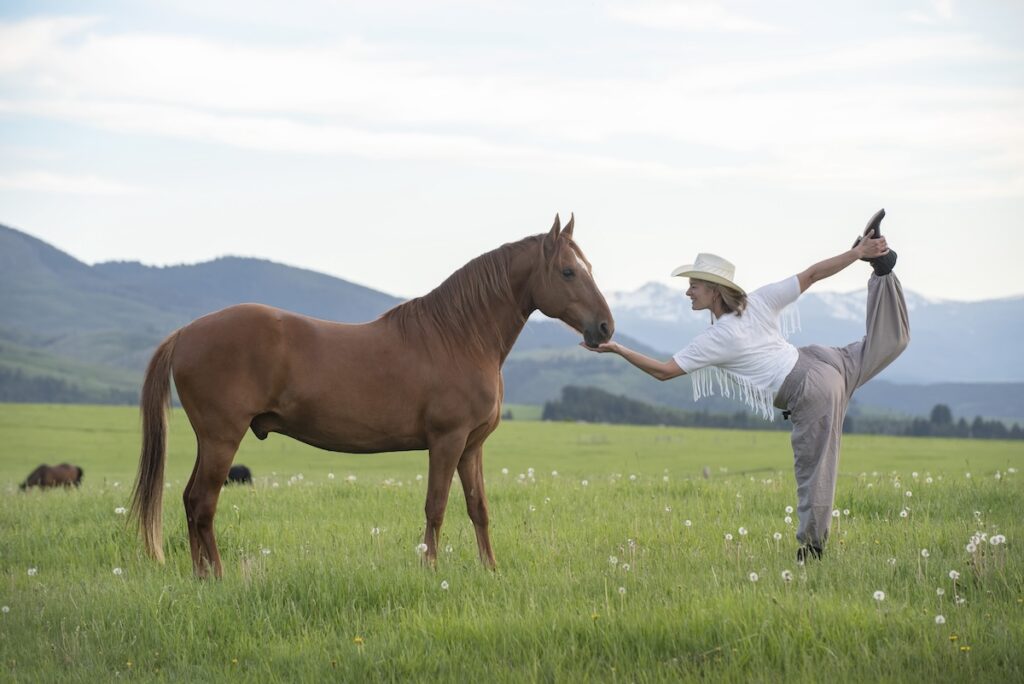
[(835, 513), (940, 620), (879, 595), (777, 536), (584, 483), (787, 576), (32, 572), (788, 520), (753, 577), (504, 471), (622, 591), (687, 523), (330, 476), (924, 553), (614, 560), (265, 551), (120, 510), (118, 572), (444, 585), (743, 531), (421, 548), (789, 509), (954, 575), (939, 591), (728, 537)]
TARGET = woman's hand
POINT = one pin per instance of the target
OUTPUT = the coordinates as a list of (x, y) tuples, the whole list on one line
[(871, 248), (602, 348)]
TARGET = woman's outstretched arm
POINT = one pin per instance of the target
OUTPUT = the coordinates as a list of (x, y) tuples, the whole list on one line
[(659, 370), (869, 248)]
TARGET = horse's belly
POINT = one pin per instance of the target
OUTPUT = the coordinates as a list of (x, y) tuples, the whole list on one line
[(349, 436)]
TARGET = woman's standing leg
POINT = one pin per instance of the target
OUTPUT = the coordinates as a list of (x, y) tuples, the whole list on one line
[(817, 414)]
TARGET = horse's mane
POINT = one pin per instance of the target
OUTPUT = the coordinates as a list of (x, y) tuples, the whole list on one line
[(458, 311)]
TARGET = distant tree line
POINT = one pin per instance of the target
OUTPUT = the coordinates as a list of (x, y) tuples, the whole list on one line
[(18, 386), (598, 406)]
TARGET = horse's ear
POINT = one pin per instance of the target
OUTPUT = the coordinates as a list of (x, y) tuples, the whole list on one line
[(567, 231), (551, 239), (556, 228)]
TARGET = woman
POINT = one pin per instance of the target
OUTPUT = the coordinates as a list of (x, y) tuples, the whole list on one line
[(745, 353)]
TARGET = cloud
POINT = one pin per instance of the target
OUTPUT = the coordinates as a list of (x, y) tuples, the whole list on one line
[(44, 181), (830, 118), (687, 16)]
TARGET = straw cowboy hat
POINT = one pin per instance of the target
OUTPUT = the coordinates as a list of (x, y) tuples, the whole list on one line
[(712, 268)]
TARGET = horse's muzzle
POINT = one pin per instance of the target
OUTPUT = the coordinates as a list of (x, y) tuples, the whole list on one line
[(598, 332)]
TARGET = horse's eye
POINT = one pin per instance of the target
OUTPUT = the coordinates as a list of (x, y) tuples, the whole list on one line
[(568, 272)]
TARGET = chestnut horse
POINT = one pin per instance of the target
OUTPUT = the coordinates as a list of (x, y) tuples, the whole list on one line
[(425, 375)]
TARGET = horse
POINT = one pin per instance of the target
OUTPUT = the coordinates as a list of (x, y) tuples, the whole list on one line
[(424, 375), (239, 474), (46, 476)]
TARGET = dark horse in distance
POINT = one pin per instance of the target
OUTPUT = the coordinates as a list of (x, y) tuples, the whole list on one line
[(239, 474), (425, 375), (63, 475)]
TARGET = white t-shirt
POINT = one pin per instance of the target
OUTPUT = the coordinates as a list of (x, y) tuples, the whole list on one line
[(749, 351)]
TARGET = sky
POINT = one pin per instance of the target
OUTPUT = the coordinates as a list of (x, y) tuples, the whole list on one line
[(389, 142)]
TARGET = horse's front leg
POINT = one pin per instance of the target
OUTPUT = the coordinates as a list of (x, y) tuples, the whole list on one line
[(445, 452), (471, 473)]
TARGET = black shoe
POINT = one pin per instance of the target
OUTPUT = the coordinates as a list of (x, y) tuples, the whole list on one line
[(808, 551), (873, 230), (884, 264)]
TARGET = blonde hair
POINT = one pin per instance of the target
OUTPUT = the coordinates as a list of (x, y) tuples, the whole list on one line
[(733, 301)]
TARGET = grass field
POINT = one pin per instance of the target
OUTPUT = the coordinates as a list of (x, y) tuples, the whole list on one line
[(617, 568)]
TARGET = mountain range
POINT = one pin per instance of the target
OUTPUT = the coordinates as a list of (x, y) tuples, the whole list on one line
[(88, 331)]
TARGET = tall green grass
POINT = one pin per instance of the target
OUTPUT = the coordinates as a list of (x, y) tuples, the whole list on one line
[(615, 568)]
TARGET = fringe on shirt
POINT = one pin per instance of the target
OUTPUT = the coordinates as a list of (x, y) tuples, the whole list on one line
[(758, 399)]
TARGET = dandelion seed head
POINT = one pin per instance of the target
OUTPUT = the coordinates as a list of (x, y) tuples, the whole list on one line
[(743, 531), (614, 560), (504, 471), (265, 551), (687, 523), (939, 591), (532, 508), (120, 510), (846, 511), (892, 561), (444, 585), (330, 476), (584, 483), (928, 480), (375, 531), (118, 572), (788, 520), (554, 473), (728, 537), (5, 609), (448, 548), (940, 620), (960, 600), (971, 547), (632, 478), (787, 576), (753, 577), (32, 572), (904, 513), (954, 575), (924, 553), (622, 591), (789, 509), (625, 567), (835, 513), (664, 478), (421, 548), (668, 509), (908, 494), (879, 595), (777, 536)]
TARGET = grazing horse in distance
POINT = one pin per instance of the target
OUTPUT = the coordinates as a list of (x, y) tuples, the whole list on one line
[(424, 375), (239, 474), (63, 475)]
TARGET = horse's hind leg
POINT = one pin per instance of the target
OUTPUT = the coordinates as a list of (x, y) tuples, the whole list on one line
[(471, 473), (215, 456), (195, 546)]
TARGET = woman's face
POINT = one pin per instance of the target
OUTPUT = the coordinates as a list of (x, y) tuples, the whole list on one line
[(701, 296)]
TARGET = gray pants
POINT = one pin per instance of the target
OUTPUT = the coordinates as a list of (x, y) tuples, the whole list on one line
[(817, 392)]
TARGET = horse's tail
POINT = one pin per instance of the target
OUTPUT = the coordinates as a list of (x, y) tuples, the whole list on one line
[(147, 497)]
